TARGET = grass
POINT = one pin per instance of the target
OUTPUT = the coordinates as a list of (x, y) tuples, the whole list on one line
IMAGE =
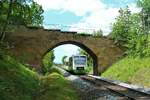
[(142, 77), (130, 70), (19, 83), (16, 81), (57, 88)]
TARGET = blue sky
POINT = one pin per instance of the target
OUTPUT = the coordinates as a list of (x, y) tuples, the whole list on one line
[(82, 16)]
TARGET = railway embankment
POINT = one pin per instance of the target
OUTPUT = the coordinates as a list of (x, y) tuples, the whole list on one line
[(17, 82), (90, 91), (130, 70)]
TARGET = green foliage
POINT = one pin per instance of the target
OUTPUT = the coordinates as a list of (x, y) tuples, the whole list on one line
[(145, 4), (142, 77), (120, 31), (2, 49), (54, 69), (19, 12), (130, 69), (56, 87), (129, 34), (139, 46), (63, 59), (22, 12), (48, 61), (16, 81), (145, 13), (98, 33)]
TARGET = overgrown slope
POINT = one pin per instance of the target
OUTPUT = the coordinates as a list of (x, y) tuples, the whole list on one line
[(132, 70), (56, 88), (19, 83), (16, 81)]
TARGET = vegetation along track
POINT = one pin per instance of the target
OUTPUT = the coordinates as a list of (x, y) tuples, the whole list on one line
[(127, 93)]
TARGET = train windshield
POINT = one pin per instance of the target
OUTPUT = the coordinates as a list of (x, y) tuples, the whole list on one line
[(80, 60)]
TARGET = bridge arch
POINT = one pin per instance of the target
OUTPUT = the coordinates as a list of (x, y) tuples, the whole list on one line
[(33, 43), (82, 46)]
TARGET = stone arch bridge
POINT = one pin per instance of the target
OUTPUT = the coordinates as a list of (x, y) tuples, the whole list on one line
[(30, 44)]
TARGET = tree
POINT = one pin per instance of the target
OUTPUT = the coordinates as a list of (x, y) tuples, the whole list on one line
[(120, 30), (145, 13), (98, 33), (145, 18), (64, 59), (19, 12), (128, 33), (136, 39), (5, 20), (48, 61)]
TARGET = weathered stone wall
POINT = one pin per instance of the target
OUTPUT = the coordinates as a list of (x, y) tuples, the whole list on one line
[(32, 43)]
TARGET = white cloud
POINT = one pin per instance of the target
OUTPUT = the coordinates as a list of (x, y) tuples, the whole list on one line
[(51, 4), (101, 19), (81, 7), (100, 16), (82, 27), (68, 49), (78, 7), (134, 8)]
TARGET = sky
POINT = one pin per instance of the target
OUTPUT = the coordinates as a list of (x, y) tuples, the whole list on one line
[(65, 50), (82, 16)]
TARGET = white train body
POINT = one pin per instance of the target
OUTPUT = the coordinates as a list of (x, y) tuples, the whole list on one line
[(79, 62)]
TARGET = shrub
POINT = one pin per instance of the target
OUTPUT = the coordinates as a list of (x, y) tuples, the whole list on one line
[(48, 61)]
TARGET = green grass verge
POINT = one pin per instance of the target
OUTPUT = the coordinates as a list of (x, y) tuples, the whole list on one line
[(56, 88), (132, 70), (16, 81), (19, 83)]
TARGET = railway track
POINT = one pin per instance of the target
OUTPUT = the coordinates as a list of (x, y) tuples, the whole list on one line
[(125, 92)]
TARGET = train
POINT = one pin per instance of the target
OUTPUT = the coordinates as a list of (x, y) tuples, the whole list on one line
[(77, 64)]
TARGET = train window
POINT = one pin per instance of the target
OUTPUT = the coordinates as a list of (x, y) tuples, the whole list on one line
[(80, 60)]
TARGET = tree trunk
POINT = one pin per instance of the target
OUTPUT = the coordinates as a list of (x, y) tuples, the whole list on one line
[(2, 36)]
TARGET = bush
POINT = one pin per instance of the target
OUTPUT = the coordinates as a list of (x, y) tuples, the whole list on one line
[(53, 70), (57, 88), (19, 83), (2, 48), (98, 33), (48, 61)]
